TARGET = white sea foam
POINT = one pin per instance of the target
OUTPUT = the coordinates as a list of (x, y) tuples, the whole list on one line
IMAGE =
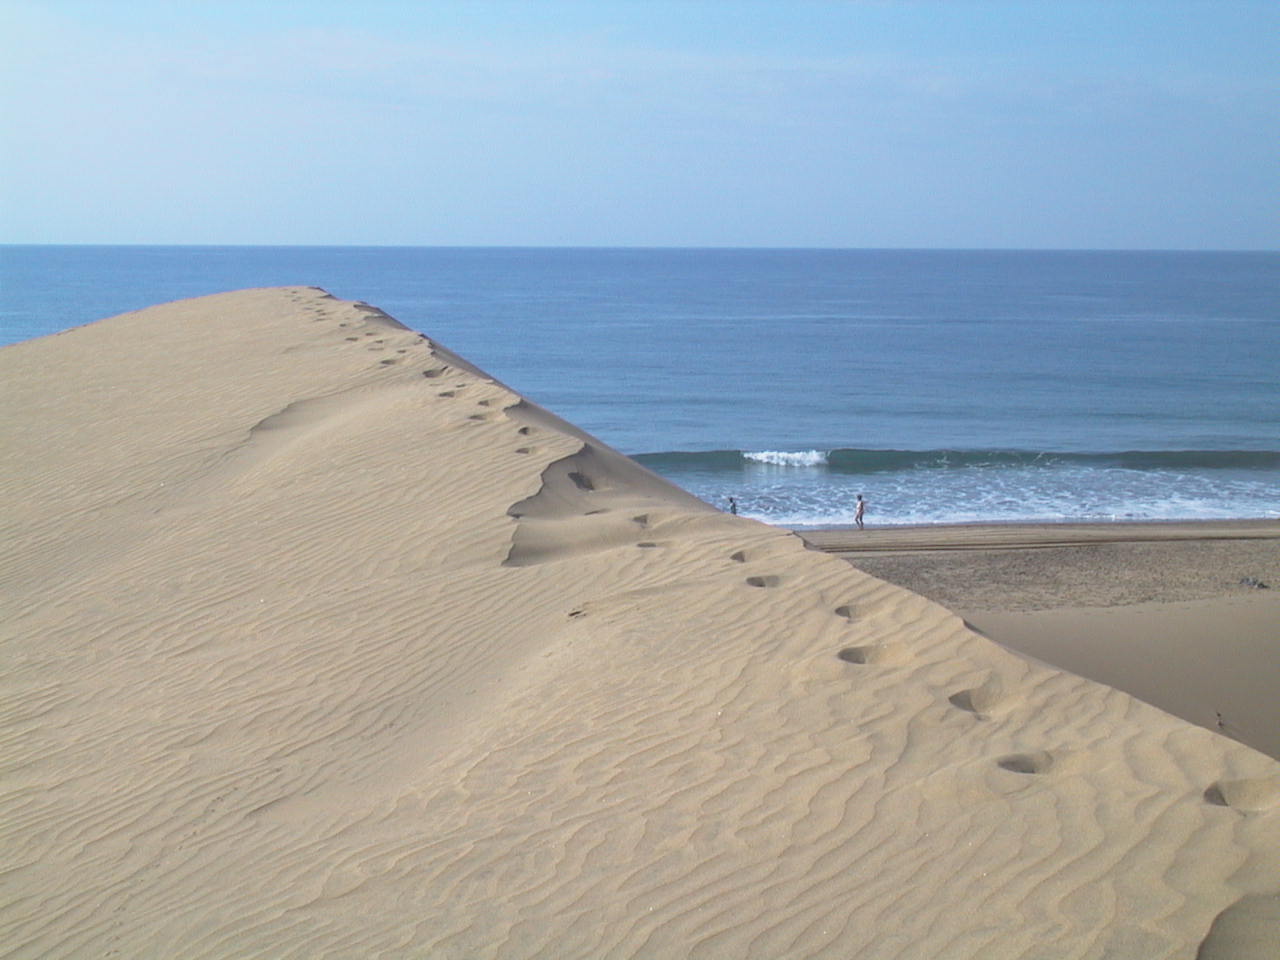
[(800, 498), (781, 458)]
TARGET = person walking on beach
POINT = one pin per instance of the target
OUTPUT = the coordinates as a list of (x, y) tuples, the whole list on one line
[(857, 514), (733, 506)]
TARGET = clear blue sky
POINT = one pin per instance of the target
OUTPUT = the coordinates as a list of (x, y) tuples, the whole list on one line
[(935, 123)]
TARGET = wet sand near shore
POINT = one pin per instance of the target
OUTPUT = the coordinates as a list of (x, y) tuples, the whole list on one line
[(1170, 612)]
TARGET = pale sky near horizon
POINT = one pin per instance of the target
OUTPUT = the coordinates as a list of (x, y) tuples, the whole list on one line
[(863, 123)]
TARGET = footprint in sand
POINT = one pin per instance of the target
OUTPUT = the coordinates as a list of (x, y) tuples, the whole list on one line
[(766, 581), (871, 653), (858, 655), (432, 374), (847, 611), (1248, 794), (739, 557), (983, 700), (1038, 761)]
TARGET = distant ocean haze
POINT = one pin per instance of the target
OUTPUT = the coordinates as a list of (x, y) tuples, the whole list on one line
[(945, 386)]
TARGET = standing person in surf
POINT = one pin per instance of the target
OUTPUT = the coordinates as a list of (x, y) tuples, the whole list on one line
[(858, 513)]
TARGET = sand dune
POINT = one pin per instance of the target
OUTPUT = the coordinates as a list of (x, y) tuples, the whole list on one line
[(319, 642)]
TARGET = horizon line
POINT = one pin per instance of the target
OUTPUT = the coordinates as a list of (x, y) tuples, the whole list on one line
[(673, 247)]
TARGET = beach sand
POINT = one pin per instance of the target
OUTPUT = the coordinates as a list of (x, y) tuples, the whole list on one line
[(319, 642)]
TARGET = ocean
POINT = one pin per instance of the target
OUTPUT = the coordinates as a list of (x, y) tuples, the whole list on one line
[(944, 386)]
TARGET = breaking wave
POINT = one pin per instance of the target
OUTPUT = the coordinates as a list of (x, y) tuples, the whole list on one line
[(859, 461)]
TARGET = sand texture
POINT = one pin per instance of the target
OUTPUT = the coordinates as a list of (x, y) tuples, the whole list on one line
[(318, 642), (1185, 616)]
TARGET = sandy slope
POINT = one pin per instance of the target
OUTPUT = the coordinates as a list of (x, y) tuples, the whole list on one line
[(319, 643), (1170, 612)]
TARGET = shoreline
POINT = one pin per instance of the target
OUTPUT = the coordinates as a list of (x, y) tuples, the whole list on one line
[(999, 534), (1163, 610)]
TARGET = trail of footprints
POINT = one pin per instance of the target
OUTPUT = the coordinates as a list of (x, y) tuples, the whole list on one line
[(485, 412), (989, 698), (980, 701), (375, 341), (376, 344)]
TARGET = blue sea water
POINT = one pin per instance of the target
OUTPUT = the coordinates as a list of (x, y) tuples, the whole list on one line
[(945, 386)]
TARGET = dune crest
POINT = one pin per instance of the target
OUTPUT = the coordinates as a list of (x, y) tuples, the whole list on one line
[(321, 642)]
